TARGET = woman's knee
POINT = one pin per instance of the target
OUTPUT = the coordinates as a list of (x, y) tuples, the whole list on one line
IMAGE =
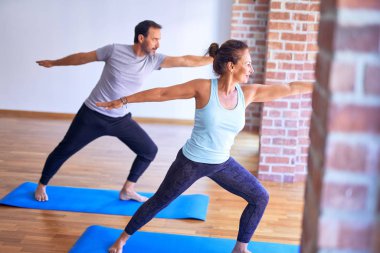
[(263, 199), (259, 196), (265, 196)]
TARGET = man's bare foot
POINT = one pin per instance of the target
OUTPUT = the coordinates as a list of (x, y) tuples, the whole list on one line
[(125, 195), (40, 193), (241, 248), (117, 247), (128, 192), (239, 251)]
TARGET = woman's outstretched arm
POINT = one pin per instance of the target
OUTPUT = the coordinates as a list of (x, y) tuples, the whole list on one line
[(269, 92), (179, 91)]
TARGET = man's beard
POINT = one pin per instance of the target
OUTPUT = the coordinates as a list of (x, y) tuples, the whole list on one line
[(147, 50)]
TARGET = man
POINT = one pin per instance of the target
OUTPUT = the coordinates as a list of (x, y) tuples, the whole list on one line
[(124, 71)]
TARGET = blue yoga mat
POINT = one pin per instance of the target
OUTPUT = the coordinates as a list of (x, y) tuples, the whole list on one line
[(102, 201), (97, 239)]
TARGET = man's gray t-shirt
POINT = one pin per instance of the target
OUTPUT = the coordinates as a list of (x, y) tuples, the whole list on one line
[(123, 74)]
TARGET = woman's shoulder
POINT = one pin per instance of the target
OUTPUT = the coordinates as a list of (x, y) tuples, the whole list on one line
[(252, 87), (201, 86), (202, 82), (249, 90)]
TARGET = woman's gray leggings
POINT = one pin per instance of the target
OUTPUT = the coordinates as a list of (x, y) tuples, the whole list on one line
[(230, 175)]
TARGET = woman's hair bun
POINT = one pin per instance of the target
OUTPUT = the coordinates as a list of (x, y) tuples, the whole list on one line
[(213, 49)]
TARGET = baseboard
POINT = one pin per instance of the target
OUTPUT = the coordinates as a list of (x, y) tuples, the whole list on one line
[(35, 115), (70, 116)]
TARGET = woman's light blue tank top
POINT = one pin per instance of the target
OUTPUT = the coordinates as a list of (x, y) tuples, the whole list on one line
[(215, 129)]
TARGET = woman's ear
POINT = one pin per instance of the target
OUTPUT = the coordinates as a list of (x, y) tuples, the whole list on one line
[(230, 66)]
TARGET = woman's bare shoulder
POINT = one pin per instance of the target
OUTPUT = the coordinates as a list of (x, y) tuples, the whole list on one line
[(251, 87)]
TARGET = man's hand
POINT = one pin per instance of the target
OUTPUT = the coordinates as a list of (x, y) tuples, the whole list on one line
[(45, 63), (74, 59), (110, 105)]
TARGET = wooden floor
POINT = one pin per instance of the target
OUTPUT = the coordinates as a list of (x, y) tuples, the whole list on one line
[(26, 142)]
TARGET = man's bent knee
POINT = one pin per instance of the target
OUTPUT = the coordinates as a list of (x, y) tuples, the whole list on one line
[(150, 153)]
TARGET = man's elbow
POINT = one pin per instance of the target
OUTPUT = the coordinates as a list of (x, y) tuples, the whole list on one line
[(187, 61)]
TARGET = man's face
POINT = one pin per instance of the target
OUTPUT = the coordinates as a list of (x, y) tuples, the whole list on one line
[(151, 42)]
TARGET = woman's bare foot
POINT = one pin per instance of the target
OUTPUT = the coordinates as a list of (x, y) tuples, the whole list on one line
[(117, 247), (241, 248), (128, 192), (40, 193)]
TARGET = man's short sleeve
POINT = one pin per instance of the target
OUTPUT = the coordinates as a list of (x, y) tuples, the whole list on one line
[(103, 53), (159, 59)]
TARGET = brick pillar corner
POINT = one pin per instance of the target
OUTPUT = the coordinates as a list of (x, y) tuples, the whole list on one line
[(291, 50), (342, 201)]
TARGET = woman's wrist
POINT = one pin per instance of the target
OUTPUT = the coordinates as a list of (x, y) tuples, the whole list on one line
[(124, 100)]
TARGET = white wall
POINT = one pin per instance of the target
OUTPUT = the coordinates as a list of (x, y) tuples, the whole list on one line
[(44, 29)]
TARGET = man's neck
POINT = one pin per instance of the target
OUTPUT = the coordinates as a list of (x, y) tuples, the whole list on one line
[(138, 50)]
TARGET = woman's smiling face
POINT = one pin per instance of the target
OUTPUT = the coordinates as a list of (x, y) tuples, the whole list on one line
[(243, 68)]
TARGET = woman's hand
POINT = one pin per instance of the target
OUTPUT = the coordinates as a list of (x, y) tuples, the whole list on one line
[(46, 63), (270, 92), (111, 104)]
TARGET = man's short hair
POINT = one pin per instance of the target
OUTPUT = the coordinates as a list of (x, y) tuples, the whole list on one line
[(143, 28)]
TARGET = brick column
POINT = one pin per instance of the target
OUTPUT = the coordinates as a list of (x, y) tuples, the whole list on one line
[(249, 23), (342, 207), (291, 51)]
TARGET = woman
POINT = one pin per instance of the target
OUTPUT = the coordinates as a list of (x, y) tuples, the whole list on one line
[(219, 116)]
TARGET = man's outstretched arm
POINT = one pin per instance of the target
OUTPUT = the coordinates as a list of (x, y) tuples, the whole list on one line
[(74, 59), (186, 61)]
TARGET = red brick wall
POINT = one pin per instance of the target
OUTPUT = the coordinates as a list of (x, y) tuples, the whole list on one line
[(249, 23), (342, 201), (291, 50)]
